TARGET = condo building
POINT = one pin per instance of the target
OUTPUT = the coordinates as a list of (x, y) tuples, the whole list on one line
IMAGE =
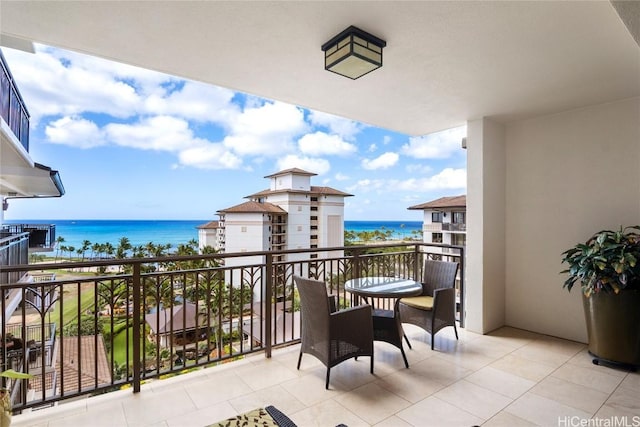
[(290, 214), (444, 221)]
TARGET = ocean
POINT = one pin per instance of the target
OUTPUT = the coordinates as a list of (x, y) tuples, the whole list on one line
[(176, 232)]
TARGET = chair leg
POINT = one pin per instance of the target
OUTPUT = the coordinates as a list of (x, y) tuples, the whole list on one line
[(432, 339), (407, 340), (455, 329), (372, 363), (326, 386), (299, 359)]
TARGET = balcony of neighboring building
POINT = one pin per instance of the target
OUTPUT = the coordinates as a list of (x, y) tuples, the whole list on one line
[(42, 237), (12, 108), (20, 176)]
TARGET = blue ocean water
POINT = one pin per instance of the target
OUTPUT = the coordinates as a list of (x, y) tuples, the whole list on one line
[(176, 232)]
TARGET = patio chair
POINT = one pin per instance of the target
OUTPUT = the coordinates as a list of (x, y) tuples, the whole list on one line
[(331, 335), (436, 307)]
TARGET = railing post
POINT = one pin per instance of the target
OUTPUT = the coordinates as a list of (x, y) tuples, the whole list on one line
[(356, 264), (462, 312), (416, 263), (268, 305), (136, 328)]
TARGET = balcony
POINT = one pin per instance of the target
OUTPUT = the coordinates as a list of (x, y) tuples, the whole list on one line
[(186, 312), (250, 350), (12, 108), (461, 228), (42, 237), (508, 377)]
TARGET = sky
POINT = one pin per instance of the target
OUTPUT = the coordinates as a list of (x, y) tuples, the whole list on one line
[(132, 143)]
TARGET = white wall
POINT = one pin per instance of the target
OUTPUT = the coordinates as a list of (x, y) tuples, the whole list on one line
[(568, 175), (485, 267)]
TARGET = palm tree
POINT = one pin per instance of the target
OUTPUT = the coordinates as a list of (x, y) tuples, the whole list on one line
[(95, 250), (85, 247), (59, 242), (123, 246)]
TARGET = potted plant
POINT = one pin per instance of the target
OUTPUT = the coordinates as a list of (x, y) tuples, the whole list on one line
[(607, 266)]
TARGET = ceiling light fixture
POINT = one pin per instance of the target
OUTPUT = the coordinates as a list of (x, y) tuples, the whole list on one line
[(353, 53)]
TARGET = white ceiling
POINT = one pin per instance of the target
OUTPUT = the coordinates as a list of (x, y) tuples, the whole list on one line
[(445, 62)]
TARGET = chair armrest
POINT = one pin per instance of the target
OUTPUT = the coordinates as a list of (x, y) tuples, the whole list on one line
[(333, 303), (354, 324), (444, 302)]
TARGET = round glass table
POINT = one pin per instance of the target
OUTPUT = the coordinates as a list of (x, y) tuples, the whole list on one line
[(387, 325)]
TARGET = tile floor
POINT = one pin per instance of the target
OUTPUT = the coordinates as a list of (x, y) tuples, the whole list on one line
[(507, 378)]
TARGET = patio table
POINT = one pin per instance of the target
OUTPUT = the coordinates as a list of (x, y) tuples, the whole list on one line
[(387, 325)]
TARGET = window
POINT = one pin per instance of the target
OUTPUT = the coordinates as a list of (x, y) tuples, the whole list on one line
[(243, 229), (314, 199), (436, 216), (314, 217), (436, 237), (299, 228), (299, 208), (313, 236), (459, 239), (314, 227), (458, 217)]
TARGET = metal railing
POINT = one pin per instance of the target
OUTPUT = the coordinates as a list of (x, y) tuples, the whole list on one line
[(14, 250), (121, 322), (454, 227), (12, 108), (42, 237)]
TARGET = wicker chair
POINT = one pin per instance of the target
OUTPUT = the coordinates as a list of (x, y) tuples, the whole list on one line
[(330, 335), (436, 307)]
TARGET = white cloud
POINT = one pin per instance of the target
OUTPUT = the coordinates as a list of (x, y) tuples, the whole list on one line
[(195, 101), (440, 145), (421, 168), (267, 130), (447, 179), (341, 177), (367, 185), (309, 164), (346, 128), (162, 133), (320, 143), (51, 86), (373, 147), (75, 132), (383, 161), (386, 139), (210, 156)]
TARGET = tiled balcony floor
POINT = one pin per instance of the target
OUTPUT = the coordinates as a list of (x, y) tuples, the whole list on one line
[(508, 378)]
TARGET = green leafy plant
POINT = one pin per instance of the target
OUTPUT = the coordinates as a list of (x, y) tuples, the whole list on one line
[(608, 262)]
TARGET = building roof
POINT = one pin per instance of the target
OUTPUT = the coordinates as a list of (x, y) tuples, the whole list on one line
[(292, 171), (323, 191), (173, 319), (209, 225), (443, 203), (254, 207), (84, 367)]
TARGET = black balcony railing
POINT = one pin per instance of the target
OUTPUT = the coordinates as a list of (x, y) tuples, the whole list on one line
[(12, 108), (121, 322)]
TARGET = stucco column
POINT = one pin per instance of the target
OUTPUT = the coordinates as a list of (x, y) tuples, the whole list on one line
[(485, 275)]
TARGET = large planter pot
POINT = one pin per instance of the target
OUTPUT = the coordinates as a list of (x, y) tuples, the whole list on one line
[(613, 327)]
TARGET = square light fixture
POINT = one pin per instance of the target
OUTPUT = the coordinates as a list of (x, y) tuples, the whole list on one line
[(353, 53)]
